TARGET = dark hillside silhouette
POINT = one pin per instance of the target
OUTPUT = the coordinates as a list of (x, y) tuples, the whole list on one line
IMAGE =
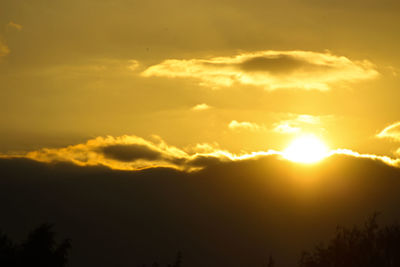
[(230, 214)]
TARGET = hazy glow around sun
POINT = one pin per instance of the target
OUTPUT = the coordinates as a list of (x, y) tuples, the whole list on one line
[(306, 149)]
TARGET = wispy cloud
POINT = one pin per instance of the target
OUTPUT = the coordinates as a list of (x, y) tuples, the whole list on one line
[(268, 69), (295, 123), (392, 132), (100, 67), (4, 50), (14, 25), (131, 152), (385, 159), (245, 125), (200, 107), (286, 128)]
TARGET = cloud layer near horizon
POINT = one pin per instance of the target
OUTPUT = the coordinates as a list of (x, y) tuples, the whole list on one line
[(268, 69), (131, 152)]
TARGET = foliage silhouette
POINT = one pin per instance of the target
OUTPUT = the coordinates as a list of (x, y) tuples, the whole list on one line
[(271, 262), (40, 249), (177, 263), (369, 246)]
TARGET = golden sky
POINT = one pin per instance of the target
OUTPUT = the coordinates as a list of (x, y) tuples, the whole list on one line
[(179, 78)]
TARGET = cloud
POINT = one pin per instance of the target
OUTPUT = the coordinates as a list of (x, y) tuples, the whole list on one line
[(268, 69), (129, 153), (200, 107), (245, 125), (14, 25), (124, 153), (4, 50), (286, 128), (384, 159), (295, 124), (392, 132), (132, 153), (133, 64), (101, 67)]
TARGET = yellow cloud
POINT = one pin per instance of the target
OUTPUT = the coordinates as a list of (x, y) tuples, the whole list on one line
[(268, 69), (392, 131), (245, 125), (130, 152), (4, 50), (385, 159), (14, 25), (295, 124), (200, 107), (133, 64), (124, 153), (286, 128), (133, 153)]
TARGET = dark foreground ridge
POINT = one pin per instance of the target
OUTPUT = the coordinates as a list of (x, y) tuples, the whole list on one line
[(368, 245), (233, 214)]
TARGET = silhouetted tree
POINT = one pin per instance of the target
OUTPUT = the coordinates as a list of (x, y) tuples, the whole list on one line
[(7, 251), (177, 263), (178, 260), (40, 249), (271, 262), (369, 246)]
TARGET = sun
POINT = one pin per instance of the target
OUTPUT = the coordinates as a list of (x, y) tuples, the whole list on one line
[(306, 149)]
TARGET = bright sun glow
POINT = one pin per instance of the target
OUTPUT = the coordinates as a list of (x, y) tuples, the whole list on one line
[(306, 149)]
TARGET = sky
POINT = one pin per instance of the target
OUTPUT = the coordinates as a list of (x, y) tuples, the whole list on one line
[(243, 76), (132, 91)]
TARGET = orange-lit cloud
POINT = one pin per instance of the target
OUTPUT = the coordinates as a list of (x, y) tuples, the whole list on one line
[(200, 107), (392, 132), (286, 128), (132, 153), (106, 66), (133, 64), (268, 69), (4, 50), (296, 123), (385, 159), (124, 152), (14, 25), (245, 125)]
